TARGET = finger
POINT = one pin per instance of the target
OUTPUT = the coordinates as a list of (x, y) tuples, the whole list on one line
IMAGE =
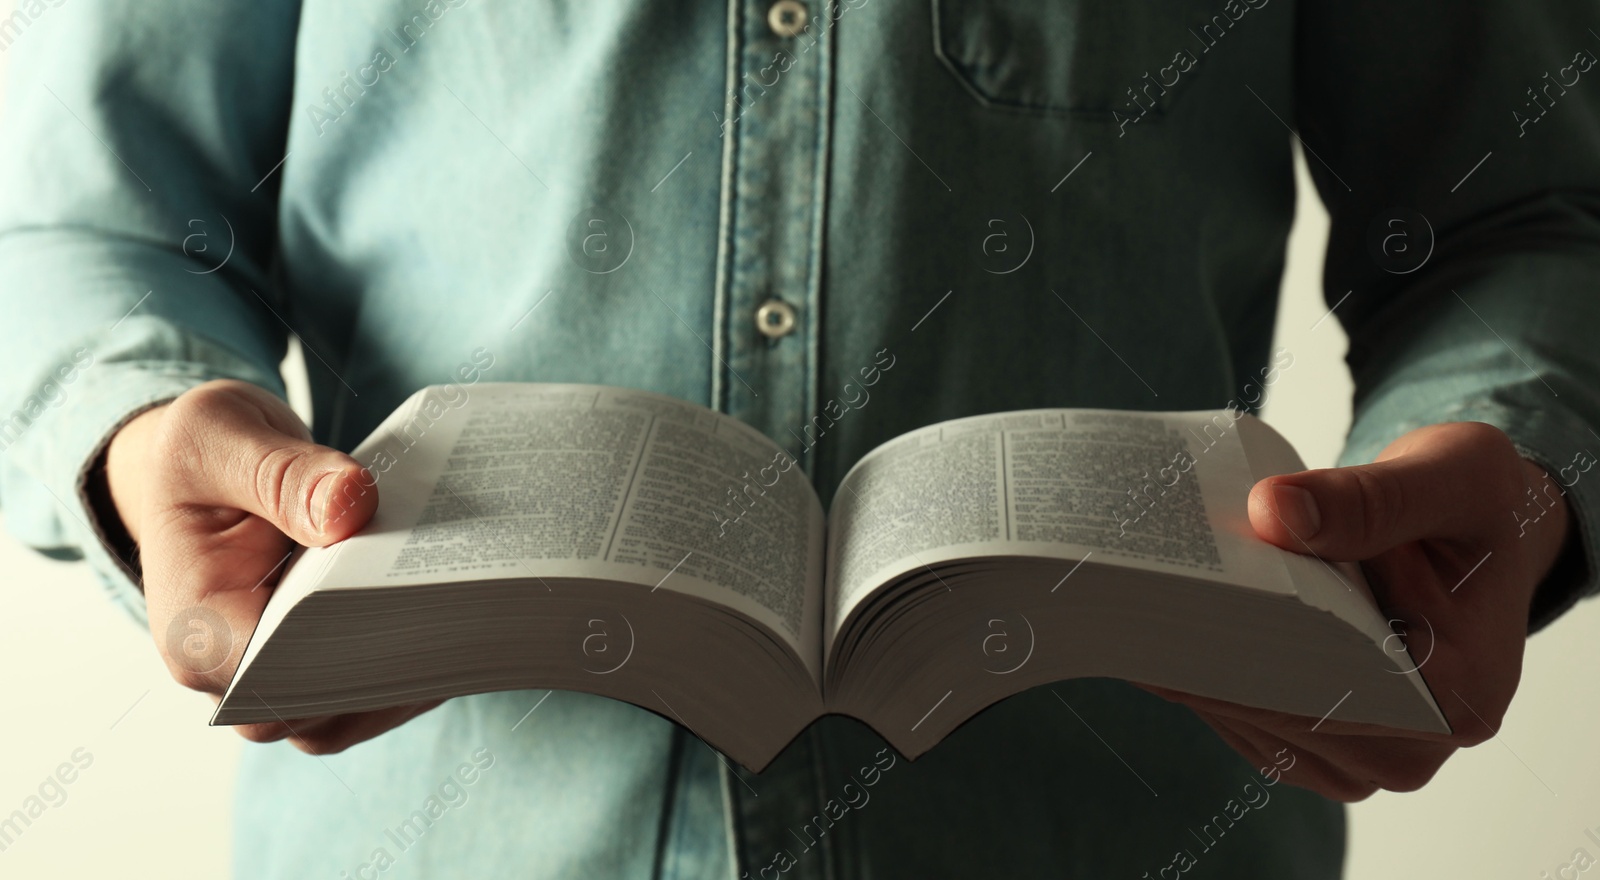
[(1297, 763), (1247, 746), (238, 447), (1283, 722), (264, 733), (1353, 762), (1436, 482), (334, 734), (258, 733), (1354, 754)]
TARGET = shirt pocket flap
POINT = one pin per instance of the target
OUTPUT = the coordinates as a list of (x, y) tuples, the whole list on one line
[(1086, 57)]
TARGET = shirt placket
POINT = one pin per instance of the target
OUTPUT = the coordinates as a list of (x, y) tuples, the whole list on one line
[(775, 146), (774, 130)]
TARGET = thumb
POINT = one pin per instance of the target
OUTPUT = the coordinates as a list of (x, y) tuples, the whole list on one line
[(1432, 483), (254, 454)]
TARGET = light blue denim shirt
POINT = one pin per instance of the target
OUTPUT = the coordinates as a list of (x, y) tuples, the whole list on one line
[(1026, 204)]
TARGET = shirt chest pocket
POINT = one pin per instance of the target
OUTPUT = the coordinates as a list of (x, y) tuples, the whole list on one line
[(1088, 58)]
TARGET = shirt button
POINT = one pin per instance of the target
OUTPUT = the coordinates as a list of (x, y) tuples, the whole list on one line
[(787, 18), (775, 319)]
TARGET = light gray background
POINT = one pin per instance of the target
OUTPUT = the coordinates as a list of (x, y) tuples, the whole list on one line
[(157, 799)]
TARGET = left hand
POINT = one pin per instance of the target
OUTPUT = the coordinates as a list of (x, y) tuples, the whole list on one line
[(1435, 504)]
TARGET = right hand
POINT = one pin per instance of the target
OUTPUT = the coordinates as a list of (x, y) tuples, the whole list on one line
[(216, 488)]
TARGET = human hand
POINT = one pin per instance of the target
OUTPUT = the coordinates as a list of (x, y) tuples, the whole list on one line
[(1431, 522), (216, 488)]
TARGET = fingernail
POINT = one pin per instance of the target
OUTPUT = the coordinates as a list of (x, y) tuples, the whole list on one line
[(1298, 509), (322, 500)]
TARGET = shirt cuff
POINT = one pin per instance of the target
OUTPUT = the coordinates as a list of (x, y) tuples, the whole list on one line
[(50, 444)]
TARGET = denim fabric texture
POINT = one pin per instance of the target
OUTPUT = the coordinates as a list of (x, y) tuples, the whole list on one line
[(1022, 204)]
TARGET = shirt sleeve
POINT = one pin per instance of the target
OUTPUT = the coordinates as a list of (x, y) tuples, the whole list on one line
[(1457, 148), (136, 229)]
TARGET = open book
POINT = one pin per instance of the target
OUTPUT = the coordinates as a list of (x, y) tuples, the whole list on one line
[(643, 548)]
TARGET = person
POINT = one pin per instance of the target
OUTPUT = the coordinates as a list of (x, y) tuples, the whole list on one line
[(1025, 205)]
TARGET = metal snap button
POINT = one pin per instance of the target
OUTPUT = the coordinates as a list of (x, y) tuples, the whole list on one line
[(775, 318), (787, 18)]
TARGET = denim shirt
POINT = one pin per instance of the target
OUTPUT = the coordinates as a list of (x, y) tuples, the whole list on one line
[(1018, 204)]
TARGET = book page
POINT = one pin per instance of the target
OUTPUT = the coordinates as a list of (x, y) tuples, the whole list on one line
[(1162, 492), (575, 481)]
